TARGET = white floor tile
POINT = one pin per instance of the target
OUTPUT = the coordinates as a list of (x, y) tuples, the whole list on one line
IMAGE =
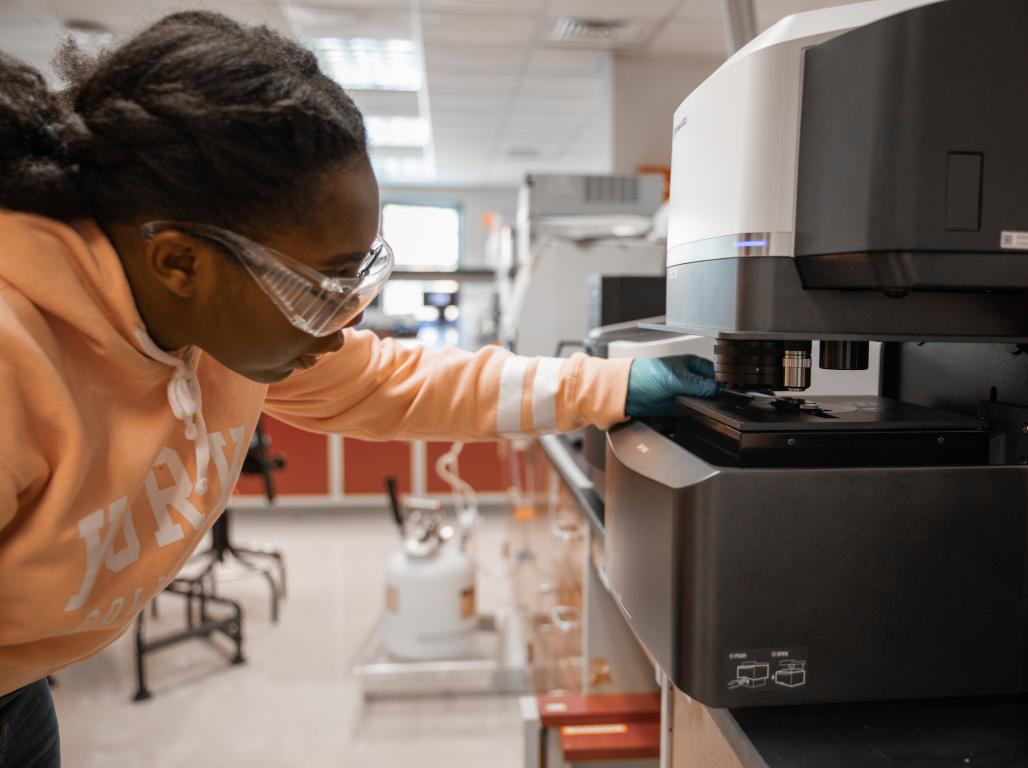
[(295, 702)]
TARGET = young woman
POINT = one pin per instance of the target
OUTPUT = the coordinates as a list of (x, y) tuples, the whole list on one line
[(189, 233)]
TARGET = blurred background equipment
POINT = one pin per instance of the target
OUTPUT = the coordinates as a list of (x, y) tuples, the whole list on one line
[(568, 228), (432, 639)]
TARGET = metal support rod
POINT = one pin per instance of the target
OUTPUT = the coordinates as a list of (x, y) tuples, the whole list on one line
[(740, 23), (666, 718)]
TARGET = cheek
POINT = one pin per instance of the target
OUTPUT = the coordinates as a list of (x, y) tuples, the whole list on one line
[(252, 334), (264, 335)]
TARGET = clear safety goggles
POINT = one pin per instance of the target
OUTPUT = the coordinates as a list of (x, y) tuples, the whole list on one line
[(314, 302)]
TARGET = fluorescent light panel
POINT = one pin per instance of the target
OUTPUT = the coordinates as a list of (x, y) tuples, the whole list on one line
[(397, 131), (403, 169), (369, 64)]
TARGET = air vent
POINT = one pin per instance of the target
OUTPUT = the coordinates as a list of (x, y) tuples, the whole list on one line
[(612, 189), (604, 32)]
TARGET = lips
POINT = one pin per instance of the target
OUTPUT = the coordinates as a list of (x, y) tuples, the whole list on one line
[(310, 359), (307, 361)]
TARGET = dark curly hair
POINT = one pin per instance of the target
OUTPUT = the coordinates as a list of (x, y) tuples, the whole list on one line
[(196, 117)]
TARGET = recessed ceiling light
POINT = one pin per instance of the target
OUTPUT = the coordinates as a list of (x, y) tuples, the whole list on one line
[(368, 64)]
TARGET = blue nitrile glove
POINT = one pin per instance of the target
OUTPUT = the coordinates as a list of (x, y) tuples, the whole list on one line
[(653, 384)]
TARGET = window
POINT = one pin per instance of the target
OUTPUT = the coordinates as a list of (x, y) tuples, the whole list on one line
[(423, 237)]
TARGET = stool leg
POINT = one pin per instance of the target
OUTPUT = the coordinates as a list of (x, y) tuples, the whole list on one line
[(237, 635), (142, 692), (274, 594)]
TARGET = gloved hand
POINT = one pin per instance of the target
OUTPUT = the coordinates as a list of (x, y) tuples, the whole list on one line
[(653, 384)]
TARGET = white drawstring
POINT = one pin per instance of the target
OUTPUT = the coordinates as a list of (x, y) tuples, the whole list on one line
[(186, 402)]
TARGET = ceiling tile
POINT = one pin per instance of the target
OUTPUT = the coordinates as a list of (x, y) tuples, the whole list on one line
[(524, 7), (460, 127), (359, 5), (320, 21), (38, 8), (528, 152), (537, 137), (472, 59), (704, 10), (555, 105), (121, 16), (612, 9), (489, 85), (22, 15), (124, 17), (692, 38), (563, 86), (542, 122), (379, 154), (477, 30), (471, 146), (564, 62), (249, 13), (465, 103)]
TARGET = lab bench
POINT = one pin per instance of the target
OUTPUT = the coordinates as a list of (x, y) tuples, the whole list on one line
[(583, 655), (951, 732)]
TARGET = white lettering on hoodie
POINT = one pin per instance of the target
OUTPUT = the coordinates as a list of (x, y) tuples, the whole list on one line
[(100, 537)]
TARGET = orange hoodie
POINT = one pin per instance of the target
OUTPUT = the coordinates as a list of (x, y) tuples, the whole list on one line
[(116, 457)]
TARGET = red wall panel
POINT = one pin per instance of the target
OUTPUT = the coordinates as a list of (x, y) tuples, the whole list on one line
[(366, 465), (306, 469)]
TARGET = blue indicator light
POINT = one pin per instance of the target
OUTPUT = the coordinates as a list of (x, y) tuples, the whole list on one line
[(751, 244)]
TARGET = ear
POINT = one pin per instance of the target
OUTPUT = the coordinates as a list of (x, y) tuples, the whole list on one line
[(177, 260)]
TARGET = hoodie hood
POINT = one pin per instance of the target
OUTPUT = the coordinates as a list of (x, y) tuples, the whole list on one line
[(77, 276), (74, 274)]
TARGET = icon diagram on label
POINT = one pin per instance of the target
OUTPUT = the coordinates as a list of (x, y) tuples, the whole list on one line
[(763, 671), (792, 673), (751, 674)]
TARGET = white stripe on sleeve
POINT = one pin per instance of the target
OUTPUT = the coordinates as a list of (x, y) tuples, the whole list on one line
[(544, 392), (512, 387)]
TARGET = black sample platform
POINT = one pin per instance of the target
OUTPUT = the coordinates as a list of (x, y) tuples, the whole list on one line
[(984, 732), (831, 431)]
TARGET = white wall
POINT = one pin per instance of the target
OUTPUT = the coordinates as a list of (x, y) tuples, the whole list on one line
[(473, 201), (647, 91)]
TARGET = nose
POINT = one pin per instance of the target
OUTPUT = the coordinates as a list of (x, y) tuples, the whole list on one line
[(355, 321)]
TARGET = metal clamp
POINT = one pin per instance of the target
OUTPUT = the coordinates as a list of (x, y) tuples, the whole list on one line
[(566, 530), (565, 618)]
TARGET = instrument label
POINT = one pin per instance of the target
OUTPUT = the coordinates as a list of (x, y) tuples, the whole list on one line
[(779, 669), (1016, 241)]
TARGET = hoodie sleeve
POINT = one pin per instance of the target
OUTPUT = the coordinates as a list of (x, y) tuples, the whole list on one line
[(380, 390)]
